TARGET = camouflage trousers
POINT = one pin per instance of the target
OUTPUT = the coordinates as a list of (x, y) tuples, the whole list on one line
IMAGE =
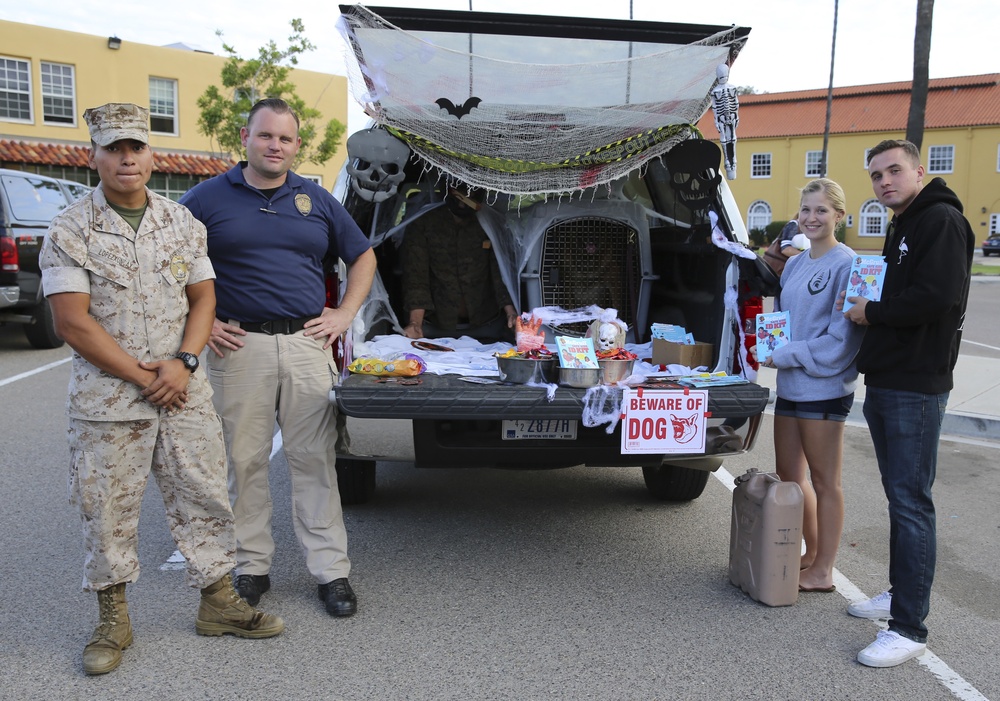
[(110, 462)]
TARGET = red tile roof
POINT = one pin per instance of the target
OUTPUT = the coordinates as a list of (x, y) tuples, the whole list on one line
[(68, 155), (965, 101)]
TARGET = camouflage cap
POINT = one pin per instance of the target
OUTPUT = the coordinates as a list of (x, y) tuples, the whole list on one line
[(116, 121)]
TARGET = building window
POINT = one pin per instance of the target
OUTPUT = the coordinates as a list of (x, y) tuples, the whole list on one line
[(15, 90), (864, 162), (163, 106), (994, 224), (172, 185), (998, 158), (813, 159), (760, 165), (759, 215), (874, 218), (941, 159), (58, 94), (318, 179)]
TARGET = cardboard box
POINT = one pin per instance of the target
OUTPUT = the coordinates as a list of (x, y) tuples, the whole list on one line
[(692, 356)]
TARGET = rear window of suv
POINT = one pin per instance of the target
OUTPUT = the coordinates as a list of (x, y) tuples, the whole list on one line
[(33, 199)]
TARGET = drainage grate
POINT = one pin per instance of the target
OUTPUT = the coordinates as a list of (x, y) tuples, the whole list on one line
[(591, 261)]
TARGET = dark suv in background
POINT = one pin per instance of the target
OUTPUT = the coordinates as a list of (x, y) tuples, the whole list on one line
[(28, 202)]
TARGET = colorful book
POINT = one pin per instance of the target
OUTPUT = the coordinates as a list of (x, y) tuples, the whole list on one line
[(711, 379), (576, 352), (774, 329), (867, 276)]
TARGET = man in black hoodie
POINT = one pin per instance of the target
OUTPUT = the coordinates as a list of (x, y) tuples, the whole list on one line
[(907, 357)]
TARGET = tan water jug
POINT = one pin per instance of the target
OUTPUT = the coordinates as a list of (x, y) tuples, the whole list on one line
[(766, 538)]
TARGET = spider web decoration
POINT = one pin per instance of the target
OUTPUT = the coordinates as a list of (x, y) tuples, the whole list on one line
[(530, 115)]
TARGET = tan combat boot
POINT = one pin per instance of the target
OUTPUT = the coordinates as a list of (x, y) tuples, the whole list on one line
[(113, 634), (223, 611)]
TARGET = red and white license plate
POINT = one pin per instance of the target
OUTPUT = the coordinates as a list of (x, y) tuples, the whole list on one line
[(527, 429)]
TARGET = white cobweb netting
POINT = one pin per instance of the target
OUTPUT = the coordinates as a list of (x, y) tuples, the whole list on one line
[(554, 115)]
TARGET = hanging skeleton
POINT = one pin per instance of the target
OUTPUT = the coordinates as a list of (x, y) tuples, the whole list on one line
[(375, 161), (726, 107)]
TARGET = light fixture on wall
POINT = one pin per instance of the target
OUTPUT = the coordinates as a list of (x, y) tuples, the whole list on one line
[(114, 43)]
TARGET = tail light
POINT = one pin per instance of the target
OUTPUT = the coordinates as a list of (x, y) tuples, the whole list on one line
[(9, 261), (750, 307)]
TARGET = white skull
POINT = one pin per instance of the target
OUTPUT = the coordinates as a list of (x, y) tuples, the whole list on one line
[(608, 338), (375, 161)]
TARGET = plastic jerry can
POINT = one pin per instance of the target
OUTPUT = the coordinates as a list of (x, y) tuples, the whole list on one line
[(766, 538)]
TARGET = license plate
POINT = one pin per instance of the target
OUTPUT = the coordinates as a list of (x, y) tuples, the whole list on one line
[(523, 429)]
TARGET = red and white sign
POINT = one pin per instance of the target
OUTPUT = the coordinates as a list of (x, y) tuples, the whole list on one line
[(663, 420)]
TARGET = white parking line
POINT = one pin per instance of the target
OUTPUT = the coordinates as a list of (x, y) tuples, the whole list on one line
[(23, 375), (948, 677)]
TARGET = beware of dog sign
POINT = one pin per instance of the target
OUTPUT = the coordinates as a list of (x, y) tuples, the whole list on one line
[(663, 420)]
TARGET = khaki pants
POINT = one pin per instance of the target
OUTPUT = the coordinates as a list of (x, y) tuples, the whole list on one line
[(288, 378), (110, 462)]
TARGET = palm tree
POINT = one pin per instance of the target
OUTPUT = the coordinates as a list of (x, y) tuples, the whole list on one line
[(921, 58)]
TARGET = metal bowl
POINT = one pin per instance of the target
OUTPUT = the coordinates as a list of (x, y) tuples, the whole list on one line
[(523, 370), (580, 377), (613, 371)]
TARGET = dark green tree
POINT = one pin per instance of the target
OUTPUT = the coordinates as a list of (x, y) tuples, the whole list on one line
[(245, 81)]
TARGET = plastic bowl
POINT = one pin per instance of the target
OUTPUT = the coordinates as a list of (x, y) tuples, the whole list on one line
[(613, 371), (523, 370), (580, 377)]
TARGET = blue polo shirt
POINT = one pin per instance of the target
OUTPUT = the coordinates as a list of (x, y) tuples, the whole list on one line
[(268, 252)]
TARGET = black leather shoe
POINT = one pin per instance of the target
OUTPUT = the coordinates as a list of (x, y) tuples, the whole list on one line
[(339, 597), (251, 586)]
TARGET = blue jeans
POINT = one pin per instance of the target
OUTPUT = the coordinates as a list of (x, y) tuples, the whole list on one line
[(905, 428)]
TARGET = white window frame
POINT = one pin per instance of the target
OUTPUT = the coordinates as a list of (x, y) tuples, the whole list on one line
[(155, 98), (864, 159), (813, 169), (757, 213), (6, 90), (872, 211), (938, 161), (757, 165), (318, 179), (994, 224), (998, 158), (59, 91)]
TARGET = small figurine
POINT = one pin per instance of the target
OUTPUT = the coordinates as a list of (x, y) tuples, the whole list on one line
[(726, 107)]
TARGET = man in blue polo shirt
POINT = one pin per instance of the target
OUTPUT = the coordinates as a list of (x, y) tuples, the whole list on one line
[(268, 233)]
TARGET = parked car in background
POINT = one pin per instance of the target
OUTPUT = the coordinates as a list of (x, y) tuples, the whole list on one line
[(28, 203), (991, 246)]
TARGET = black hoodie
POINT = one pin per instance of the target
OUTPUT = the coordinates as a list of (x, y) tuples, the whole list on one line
[(916, 328)]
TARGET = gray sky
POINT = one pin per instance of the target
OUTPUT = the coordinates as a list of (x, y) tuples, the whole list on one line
[(788, 49)]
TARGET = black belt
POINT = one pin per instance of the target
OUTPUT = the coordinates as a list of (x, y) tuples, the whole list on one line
[(275, 327)]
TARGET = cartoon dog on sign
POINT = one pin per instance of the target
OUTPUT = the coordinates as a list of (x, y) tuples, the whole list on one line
[(685, 429)]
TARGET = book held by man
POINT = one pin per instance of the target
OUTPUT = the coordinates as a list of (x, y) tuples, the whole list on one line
[(867, 275)]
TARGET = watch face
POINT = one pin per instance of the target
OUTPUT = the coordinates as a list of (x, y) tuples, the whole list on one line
[(190, 360)]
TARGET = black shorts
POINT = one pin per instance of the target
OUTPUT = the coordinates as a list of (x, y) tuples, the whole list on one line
[(826, 409)]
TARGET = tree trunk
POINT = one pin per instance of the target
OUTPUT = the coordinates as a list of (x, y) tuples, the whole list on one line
[(823, 162), (921, 58)]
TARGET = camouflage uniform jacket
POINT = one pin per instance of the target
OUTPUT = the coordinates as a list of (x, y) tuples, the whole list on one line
[(136, 282), (450, 266)]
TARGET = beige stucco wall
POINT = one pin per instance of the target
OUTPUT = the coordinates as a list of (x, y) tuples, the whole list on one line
[(105, 75), (975, 179)]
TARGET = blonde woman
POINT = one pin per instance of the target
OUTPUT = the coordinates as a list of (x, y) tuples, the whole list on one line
[(816, 379)]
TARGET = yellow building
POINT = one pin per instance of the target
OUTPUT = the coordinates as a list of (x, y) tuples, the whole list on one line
[(48, 77), (780, 141)]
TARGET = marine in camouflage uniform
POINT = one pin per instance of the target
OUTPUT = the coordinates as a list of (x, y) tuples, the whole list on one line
[(128, 277), (451, 278)]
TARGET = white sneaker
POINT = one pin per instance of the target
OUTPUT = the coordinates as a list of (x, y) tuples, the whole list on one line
[(875, 608), (890, 649)]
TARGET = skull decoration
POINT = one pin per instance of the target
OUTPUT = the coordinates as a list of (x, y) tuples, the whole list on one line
[(694, 172), (375, 161), (607, 335)]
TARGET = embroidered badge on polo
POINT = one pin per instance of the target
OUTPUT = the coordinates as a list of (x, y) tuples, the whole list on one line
[(304, 204)]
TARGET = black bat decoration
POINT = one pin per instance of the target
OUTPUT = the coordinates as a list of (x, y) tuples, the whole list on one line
[(457, 110)]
